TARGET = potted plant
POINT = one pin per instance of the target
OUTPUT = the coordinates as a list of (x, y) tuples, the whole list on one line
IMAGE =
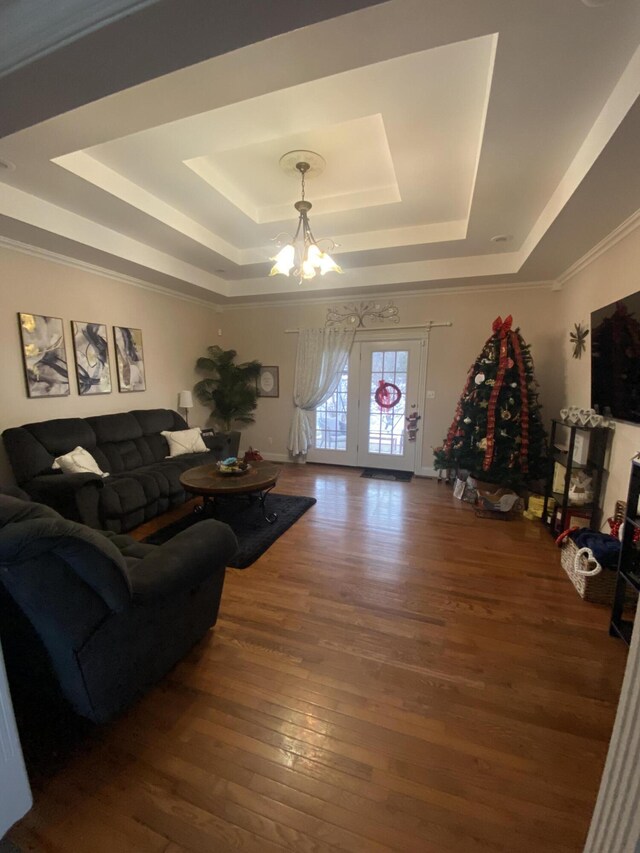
[(231, 392)]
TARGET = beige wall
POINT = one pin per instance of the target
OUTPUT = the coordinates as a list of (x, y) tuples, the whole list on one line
[(175, 333), (612, 275), (258, 332)]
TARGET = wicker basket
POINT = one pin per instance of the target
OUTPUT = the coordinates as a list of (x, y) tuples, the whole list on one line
[(598, 587)]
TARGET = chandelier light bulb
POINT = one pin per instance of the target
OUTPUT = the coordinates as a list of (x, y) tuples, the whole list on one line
[(327, 264), (314, 256), (284, 260), (308, 270)]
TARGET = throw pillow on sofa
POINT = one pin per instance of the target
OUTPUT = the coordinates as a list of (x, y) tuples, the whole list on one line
[(78, 461), (184, 441)]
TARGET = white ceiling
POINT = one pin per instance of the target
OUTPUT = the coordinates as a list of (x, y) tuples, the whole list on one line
[(442, 126)]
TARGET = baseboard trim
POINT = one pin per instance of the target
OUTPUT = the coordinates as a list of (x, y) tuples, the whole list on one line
[(283, 457), (426, 471)]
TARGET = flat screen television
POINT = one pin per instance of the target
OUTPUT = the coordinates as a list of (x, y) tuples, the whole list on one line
[(615, 359)]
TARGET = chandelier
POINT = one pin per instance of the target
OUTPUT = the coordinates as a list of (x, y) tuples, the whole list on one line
[(301, 256)]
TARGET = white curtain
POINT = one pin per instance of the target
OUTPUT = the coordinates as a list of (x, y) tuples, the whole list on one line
[(322, 355)]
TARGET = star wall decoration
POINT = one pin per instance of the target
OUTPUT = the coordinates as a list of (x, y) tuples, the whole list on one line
[(579, 339)]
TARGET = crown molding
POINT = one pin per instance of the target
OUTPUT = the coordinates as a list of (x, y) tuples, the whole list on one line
[(229, 304), (356, 295), (623, 230), (95, 269)]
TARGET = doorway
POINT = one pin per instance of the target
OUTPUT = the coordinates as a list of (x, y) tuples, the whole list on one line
[(351, 428)]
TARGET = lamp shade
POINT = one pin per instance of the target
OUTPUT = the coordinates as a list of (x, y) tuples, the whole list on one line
[(185, 400)]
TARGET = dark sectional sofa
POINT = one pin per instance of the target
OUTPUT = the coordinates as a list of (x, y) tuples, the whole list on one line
[(142, 481)]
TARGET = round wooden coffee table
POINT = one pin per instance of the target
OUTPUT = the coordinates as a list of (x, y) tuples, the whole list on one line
[(207, 481)]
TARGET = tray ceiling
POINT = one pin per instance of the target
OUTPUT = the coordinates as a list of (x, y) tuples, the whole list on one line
[(441, 129)]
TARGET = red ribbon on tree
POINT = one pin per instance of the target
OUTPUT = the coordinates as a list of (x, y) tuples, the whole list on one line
[(501, 328), (524, 405)]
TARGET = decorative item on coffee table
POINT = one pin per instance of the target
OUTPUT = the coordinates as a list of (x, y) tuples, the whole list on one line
[(232, 466)]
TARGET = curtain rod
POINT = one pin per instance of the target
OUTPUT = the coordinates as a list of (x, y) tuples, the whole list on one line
[(430, 324)]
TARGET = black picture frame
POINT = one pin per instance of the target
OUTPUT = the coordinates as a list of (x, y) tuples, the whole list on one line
[(44, 355), (91, 352), (268, 382), (129, 359)]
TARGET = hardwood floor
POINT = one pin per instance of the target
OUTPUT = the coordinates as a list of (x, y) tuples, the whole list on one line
[(394, 674)]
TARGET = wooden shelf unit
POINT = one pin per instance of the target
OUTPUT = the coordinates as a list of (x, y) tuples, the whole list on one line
[(594, 465)]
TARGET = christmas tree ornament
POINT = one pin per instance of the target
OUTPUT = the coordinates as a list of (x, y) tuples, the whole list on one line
[(479, 378)]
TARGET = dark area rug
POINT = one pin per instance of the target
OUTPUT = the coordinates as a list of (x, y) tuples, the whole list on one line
[(254, 534), (381, 474)]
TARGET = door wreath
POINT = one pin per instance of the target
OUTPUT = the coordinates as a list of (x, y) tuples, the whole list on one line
[(383, 395)]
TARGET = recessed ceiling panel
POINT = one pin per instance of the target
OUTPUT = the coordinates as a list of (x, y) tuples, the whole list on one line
[(442, 125), (401, 138), (359, 171)]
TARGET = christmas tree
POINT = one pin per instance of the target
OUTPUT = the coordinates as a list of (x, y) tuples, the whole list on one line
[(497, 433)]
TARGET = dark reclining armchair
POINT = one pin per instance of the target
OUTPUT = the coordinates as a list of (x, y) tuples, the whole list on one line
[(108, 614)]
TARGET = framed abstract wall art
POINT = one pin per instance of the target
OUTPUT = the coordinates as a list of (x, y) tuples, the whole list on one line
[(92, 358), (129, 359), (44, 355)]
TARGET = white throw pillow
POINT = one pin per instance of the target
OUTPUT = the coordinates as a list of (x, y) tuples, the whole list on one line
[(78, 461), (184, 441)]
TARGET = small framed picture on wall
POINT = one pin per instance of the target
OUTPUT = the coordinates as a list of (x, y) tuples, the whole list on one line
[(92, 358), (269, 382), (129, 359), (44, 355)]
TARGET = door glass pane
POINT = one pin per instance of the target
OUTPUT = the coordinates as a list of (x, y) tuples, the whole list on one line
[(331, 418), (386, 426)]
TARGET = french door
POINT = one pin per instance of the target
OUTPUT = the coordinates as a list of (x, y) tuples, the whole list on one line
[(351, 428)]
